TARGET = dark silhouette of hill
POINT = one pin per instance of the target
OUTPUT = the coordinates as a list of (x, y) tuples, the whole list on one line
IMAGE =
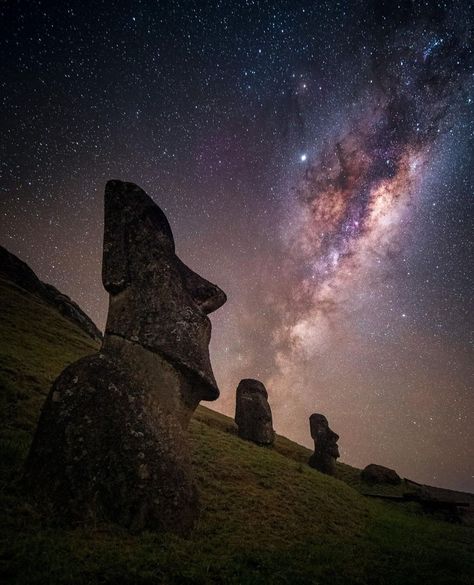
[(18, 272)]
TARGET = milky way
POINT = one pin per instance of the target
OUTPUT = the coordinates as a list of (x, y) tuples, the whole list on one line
[(356, 194)]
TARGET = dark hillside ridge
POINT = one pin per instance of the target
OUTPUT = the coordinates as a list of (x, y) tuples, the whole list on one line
[(18, 272)]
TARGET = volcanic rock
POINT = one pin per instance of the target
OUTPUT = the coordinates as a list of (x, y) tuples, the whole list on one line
[(112, 442), (253, 415), (379, 474)]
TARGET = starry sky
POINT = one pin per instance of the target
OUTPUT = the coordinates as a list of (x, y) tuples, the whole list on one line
[(314, 160)]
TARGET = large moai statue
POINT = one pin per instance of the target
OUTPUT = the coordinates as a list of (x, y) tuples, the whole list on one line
[(111, 443), (326, 450), (252, 413)]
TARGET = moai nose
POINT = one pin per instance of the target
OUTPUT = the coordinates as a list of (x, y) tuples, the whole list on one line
[(207, 296)]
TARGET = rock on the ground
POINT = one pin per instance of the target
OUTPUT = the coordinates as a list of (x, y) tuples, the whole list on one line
[(379, 474)]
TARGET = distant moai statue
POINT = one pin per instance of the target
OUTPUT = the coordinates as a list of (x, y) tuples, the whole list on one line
[(253, 415), (111, 443), (326, 450)]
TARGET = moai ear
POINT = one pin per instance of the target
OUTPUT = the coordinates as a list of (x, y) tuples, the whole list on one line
[(115, 274)]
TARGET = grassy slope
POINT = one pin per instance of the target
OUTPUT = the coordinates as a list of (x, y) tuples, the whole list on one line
[(36, 343), (266, 516)]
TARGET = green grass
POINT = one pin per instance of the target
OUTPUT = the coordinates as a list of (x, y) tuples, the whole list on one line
[(36, 343), (267, 518)]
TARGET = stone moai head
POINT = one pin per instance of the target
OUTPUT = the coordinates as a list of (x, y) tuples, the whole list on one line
[(253, 415), (156, 301), (326, 450)]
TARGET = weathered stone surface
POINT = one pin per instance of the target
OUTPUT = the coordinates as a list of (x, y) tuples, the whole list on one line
[(155, 299), (253, 415), (326, 450), (15, 270), (111, 443), (379, 474)]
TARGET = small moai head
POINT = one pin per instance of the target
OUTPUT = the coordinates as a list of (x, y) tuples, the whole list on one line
[(253, 415), (326, 449), (156, 301)]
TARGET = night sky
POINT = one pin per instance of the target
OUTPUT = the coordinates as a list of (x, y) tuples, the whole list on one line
[(314, 160)]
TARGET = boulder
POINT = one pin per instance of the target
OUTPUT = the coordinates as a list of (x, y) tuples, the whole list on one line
[(379, 474)]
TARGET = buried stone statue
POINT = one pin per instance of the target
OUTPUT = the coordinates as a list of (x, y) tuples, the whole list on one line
[(111, 443), (326, 450), (253, 415)]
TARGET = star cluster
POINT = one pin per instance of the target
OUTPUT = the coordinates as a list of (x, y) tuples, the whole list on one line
[(314, 160)]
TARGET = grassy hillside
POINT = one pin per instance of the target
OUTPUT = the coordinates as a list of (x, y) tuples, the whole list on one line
[(36, 343), (266, 516)]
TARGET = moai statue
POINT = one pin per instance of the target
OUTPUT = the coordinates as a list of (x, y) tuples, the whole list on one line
[(111, 443), (252, 413), (326, 450)]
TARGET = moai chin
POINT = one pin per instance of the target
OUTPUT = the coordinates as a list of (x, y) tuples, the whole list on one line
[(326, 450), (111, 442), (253, 415)]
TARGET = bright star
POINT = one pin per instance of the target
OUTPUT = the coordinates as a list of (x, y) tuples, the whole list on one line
[(303, 157)]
